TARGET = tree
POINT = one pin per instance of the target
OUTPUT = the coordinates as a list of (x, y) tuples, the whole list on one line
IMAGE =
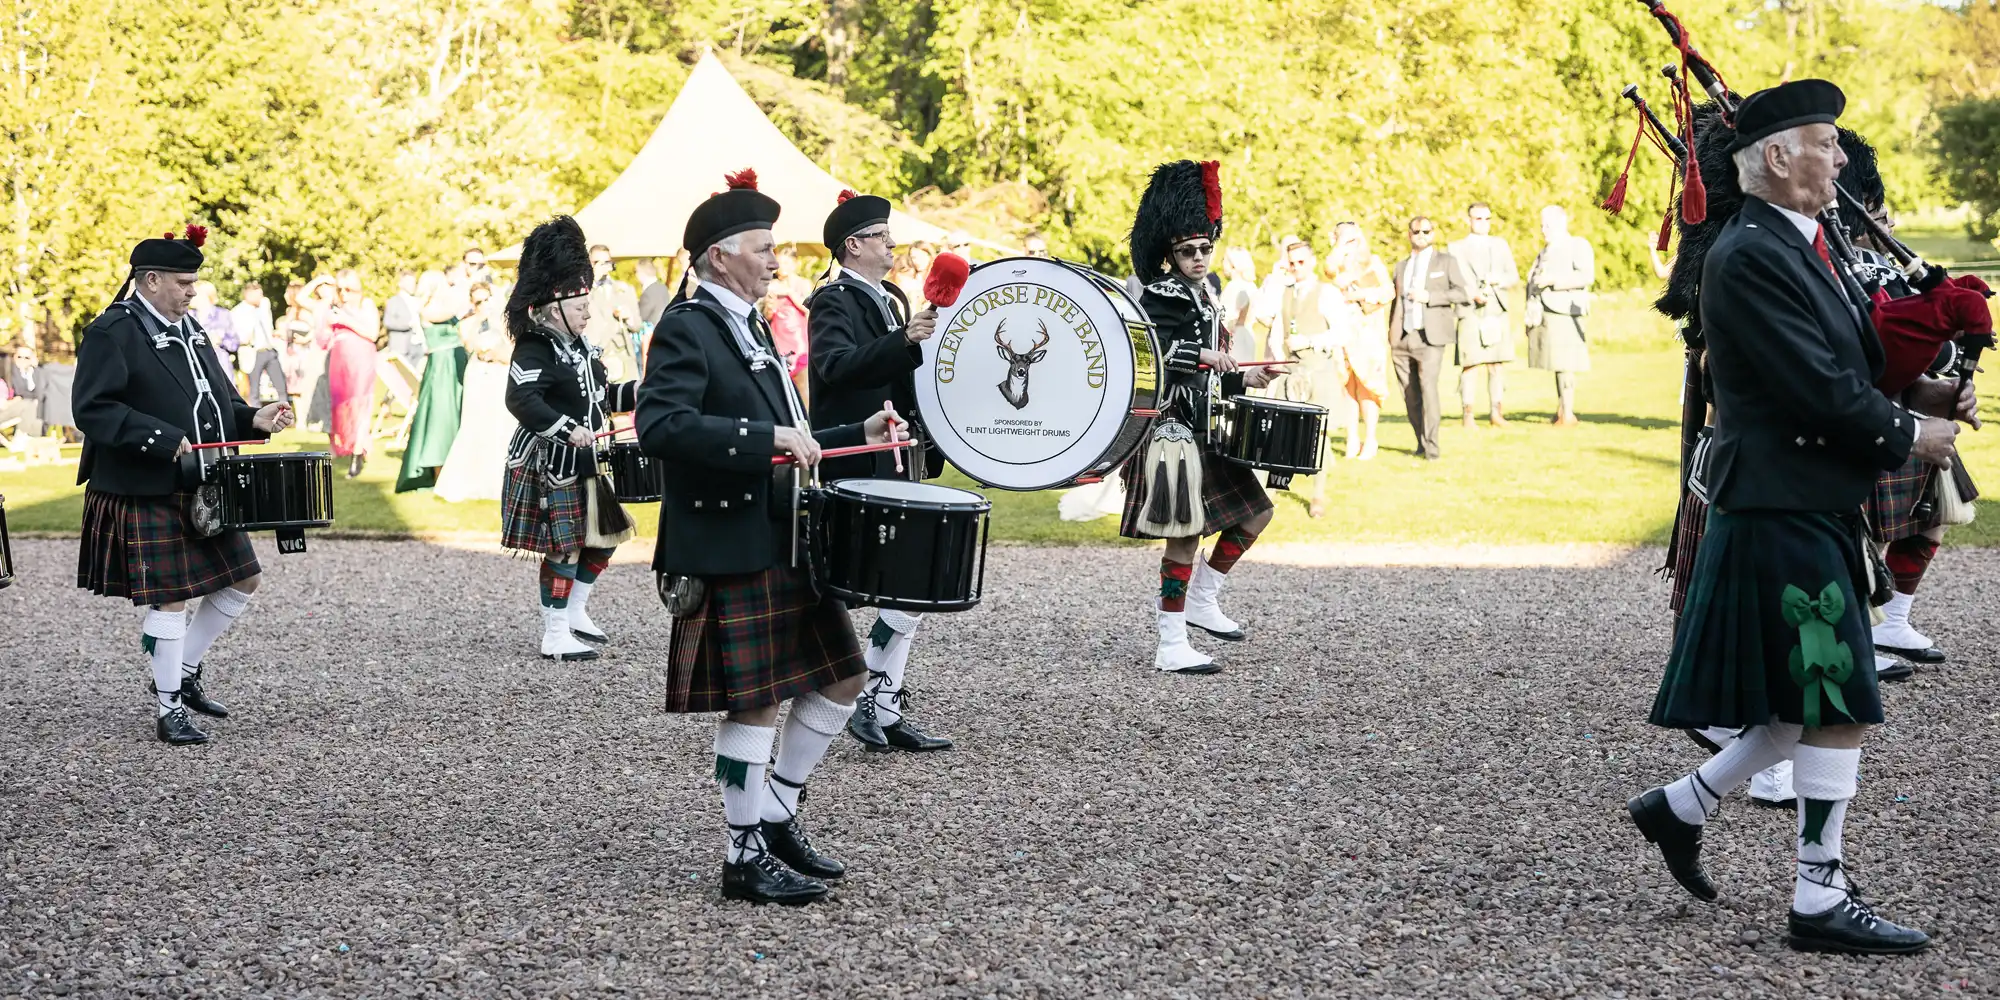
[(1968, 136)]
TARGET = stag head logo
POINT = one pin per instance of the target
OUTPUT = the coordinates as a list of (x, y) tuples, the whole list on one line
[(1015, 388)]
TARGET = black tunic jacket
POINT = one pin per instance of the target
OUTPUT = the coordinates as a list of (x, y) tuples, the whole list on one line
[(1187, 322), (135, 401), (1799, 424), (710, 417), (554, 386), (858, 362)]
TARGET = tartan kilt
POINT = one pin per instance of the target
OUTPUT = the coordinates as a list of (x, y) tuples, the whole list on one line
[(1230, 494), (138, 547), (1773, 593), (539, 519), (759, 639), (1891, 508), (1689, 525)]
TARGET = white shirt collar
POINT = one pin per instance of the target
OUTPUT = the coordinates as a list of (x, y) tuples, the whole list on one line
[(1807, 225), (729, 300), (155, 312)]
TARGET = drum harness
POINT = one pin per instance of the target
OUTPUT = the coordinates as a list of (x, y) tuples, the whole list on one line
[(204, 509)]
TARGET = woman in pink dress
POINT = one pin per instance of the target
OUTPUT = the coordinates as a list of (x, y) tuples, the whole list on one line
[(348, 334), (785, 310)]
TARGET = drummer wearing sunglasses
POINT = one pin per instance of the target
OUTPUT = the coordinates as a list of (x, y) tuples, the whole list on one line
[(1176, 488)]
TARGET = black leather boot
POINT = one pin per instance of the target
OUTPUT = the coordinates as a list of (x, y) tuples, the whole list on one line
[(864, 724), (1851, 927), (1679, 841), (761, 878), (904, 734), (176, 729), (195, 698)]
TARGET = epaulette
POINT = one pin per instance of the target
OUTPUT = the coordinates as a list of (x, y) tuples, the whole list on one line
[(1169, 287)]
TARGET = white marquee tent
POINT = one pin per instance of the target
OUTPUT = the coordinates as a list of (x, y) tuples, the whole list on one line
[(713, 128)]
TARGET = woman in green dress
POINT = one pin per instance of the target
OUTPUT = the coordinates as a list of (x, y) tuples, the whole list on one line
[(442, 394)]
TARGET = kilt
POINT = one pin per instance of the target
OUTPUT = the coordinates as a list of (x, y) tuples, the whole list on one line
[(759, 639), (539, 519), (1689, 524), (1558, 344), (1483, 338), (1230, 494), (1774, 625), (138, 548), (1892, 507)]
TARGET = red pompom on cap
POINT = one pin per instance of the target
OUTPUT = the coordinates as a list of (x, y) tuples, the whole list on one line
[(169, 234), (946, 280), (1211, 187), (197, 235), (743, 179), (846, 195)]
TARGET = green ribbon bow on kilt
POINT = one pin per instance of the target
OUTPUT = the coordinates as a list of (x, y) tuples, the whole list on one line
[(1821, 663)]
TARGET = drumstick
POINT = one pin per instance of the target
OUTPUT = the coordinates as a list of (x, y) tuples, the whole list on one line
[(225, 444), (859, 449), (889, 405), (1255, 364)]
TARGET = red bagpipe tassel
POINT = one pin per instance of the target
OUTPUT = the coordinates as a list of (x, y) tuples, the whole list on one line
[(1615, 201), (1694, 198)]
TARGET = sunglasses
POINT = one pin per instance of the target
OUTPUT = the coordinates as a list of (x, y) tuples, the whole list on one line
[(1420, 232), (1482, 218), (1193, 250)]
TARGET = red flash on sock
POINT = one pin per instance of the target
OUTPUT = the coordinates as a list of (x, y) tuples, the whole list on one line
[(1174, 577), (1230, 547), (1908, 558)]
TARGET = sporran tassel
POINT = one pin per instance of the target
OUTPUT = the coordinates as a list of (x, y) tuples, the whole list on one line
[(1183, 512), (1158, 504)]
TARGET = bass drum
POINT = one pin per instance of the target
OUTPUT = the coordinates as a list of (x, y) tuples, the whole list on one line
[(1043, 374)]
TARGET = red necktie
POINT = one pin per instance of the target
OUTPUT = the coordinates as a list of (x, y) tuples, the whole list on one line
[(1819, 247)]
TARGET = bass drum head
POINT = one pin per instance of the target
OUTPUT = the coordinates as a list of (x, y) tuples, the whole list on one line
[(1034, 373), (904, 492)]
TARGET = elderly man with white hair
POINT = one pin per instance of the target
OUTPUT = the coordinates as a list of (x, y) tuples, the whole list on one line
[(751, 632), (1774, 635), (1558, 300)]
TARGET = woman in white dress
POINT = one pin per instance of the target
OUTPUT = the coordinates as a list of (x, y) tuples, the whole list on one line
[(478, 459)]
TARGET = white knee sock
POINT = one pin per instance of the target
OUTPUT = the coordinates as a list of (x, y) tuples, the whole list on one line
[(810, 728), (741, 752), (165, 635), (888, 655), (1696, 795), (1824, 780), (1897, 611), (218, 611)]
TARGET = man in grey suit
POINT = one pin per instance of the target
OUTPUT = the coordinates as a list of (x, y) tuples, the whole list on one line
[(1558, 300), (1432, 292)]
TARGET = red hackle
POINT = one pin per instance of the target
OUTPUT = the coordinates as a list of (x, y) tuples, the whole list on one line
[(745, 178), (197, 235), (1211, 188), (846, 195), (946, 280)]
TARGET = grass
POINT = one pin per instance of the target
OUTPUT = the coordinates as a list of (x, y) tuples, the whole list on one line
[(1611, 480)]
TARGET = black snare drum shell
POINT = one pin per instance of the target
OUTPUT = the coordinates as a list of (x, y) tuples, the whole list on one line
[(880, 546), (1273, 434), (264, 492), (636, 477)]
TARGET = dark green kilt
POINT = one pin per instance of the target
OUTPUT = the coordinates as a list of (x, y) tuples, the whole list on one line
[(759, 639), (1774, 625)]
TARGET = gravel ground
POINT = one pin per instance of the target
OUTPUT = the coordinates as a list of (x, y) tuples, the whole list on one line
[(1409, 783)]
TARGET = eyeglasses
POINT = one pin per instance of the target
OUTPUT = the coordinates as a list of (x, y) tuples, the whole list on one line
[(1193, 250), (879, 234), (1482, 218)]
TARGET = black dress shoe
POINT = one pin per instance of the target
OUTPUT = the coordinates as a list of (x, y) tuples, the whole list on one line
[(864, 726), (761, 878), (1930, 654), (1852, 928), (194, 697), (176, 729), (1898, 671), (1679, 841), (787, 841), (906, 736)]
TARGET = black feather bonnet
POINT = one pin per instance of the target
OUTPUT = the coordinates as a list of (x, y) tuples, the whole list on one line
[(555, 264), (1182, 200)]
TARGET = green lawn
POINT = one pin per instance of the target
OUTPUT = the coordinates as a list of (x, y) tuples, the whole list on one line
[(1610, 480)]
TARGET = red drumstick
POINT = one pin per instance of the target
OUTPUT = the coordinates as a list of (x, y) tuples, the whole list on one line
[(225, 444), (1255, 364), (859, 449)]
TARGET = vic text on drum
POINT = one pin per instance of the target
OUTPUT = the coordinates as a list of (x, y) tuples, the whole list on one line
[(751, 630), (558, 501), (1177, 487), (148, 389), (865, 348)]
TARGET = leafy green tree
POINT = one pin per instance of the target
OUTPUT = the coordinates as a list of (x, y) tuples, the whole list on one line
[(1968, 145)]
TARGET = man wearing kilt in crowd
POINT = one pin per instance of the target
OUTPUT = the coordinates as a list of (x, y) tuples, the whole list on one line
[(864, 346), (751, 630), (1776, 616), (1177, 488), (555, 502), (148, 388)]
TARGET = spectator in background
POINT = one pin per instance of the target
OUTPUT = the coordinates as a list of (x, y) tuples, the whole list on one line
[(347, 330), (21, 393), (1486, 336), (1239, 303), (614, 318), (400, 319), (784, 307), (1312, 330), (912, 264), (207, 310), (1365, 290), (654, 296), (1431, 291), (305, 363), (960, 243), (258, 335), (476, 270), (1558, 300), (318, 299), (1035, 246), (446, 310)]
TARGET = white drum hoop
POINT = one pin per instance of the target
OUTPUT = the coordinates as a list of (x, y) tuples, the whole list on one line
[(1043, 374)]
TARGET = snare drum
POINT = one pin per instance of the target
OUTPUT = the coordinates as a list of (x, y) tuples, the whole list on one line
[(1042, 374), (286, 492), (901, 545), (1279, 436), (6, 550), (636, 477)]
